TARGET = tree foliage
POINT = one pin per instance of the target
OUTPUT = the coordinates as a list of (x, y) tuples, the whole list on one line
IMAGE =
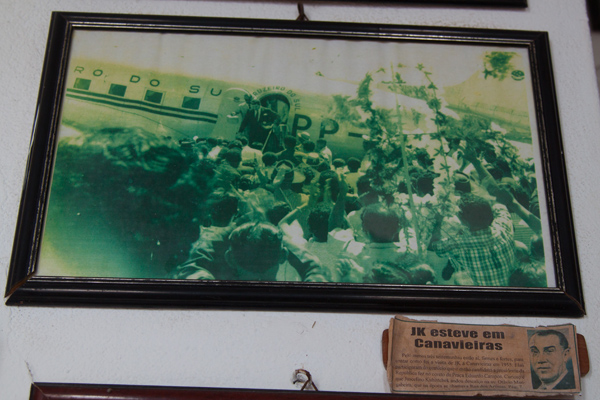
[(497, 64)]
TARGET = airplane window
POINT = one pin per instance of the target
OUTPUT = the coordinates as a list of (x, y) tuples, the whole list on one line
[(81, 83), (153, 96), (191, 103), (117, 90)]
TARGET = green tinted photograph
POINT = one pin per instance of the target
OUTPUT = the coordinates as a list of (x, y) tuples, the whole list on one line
[(198, 156)]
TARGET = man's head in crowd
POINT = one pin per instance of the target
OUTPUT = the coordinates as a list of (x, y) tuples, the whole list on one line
[(247, 182), (278, 211), (424, 185), (233, 157), (308, 147), (420, 274), (353, 164), (318, 222), (528, 275), (303, 137), (475, 212), (236, 144), (380, 223), (338, 163), (536, 247), (289, 142), (223, 207), (462, 183), (269, 159), (285, 168), (329, 180), (321, 144), (256, 145), (256, 251), (504, 167), (363, 185)]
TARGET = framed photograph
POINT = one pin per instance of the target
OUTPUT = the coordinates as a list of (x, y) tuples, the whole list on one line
[(64, 391), (260, 164)]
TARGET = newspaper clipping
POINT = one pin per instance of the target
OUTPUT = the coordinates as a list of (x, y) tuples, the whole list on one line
[(437, 358)]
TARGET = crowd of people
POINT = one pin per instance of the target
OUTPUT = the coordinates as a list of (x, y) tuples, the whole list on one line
[(302, 213)]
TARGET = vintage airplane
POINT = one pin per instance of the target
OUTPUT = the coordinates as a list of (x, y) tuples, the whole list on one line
[(185, 107), (182, 107)]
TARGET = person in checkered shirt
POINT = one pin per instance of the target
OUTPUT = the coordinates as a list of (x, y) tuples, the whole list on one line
[(485, 247)]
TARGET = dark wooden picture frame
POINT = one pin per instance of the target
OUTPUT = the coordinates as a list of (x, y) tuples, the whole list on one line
[(466, 3), (64, 391), (26, 286)]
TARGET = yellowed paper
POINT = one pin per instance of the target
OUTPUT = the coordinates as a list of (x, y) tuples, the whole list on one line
[(437, 358)]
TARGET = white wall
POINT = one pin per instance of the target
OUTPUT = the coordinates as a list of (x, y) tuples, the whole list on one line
[(261, 349)]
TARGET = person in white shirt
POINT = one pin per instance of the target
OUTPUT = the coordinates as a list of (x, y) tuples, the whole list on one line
[(324, 151)]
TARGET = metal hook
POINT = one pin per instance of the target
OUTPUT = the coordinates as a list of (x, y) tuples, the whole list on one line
[(301, 15), (298, 373)]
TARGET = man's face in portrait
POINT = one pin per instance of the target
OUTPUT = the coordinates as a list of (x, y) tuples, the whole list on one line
[(548, 357)]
